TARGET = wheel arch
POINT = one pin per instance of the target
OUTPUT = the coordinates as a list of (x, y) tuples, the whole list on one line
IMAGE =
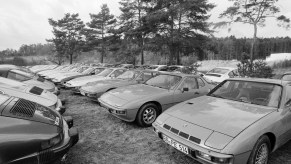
[(272, 139), (110, 89), (156, 103)]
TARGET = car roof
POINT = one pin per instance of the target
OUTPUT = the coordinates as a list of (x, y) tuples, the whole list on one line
[(264, 80)]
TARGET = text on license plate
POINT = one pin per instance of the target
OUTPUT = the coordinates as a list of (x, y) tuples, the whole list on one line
[(176, 145)]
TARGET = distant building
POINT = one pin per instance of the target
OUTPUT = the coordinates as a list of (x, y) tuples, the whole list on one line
[(275, 58)]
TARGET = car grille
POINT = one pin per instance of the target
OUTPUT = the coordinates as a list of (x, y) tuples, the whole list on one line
[(182, 134), (36, 90), (45, 156), (23, 108)]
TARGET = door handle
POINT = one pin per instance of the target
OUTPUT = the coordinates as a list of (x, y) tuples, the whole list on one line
[(196, 93)]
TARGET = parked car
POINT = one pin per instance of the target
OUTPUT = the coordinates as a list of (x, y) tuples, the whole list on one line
[(286, 76), (60, 80), (130, 77), (33, 133), (74, 71), (108, 73), (28, 78), (144, 102), (240, 121), (158, 67), (219, 74), (31, 93)]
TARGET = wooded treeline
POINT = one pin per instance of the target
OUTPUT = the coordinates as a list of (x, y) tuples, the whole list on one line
[(226, 48)]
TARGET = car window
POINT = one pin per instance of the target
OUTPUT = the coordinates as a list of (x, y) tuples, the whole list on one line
[(128, 75), (163, 69), (164, 81), (259, 93), (200, 82), (190, 83), (117, 72), (14, 76)]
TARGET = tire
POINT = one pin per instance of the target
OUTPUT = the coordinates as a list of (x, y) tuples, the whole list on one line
[(147, 114), (261, 151)]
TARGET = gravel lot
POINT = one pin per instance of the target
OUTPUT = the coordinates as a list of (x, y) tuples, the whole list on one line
[(106, 139)]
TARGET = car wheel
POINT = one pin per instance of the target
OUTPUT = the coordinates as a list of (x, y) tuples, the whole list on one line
[(147, 114), (261, 151)]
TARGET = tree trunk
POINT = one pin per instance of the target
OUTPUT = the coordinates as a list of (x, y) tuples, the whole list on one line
[(71, 58), (253, 47)]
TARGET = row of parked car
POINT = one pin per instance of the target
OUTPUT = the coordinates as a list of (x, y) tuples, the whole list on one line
[(32, 127), (213, 117)]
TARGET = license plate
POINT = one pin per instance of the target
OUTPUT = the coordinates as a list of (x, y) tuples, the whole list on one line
[(176, 145)]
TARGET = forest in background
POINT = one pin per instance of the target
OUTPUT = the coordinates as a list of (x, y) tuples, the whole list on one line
[(227, 48)]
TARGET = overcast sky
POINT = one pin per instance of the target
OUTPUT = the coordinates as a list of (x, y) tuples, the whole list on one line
[(26, 21)]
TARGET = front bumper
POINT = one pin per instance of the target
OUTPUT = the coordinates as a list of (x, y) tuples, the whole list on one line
[(195, 148), (129, 115), (54, 154)]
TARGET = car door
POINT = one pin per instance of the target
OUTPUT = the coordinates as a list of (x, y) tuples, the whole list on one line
[(188, 89), (286, 118)]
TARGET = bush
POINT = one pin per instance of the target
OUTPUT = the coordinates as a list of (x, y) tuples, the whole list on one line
[(258, 69)]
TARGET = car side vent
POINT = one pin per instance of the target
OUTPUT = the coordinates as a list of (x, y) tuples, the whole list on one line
[(185, 135), (23, 108), (167, 127), (194, 139), (176, 131), (40, 79), (36, 90)]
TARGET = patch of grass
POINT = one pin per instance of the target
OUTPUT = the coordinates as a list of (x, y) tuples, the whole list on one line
[(105, 139)]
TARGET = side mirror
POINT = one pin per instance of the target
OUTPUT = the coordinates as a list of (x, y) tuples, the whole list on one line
[(185, 89), (288, 103)]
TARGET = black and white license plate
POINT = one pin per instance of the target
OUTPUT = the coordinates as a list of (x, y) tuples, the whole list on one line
[(176, 144)]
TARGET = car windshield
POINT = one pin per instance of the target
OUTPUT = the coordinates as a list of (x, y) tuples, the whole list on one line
[(286, 77), (98, 70), (164, 81), (88, 70), (258, 93), (105, 72), (31, 75), (82, 69), (128, 75), (218, 71)]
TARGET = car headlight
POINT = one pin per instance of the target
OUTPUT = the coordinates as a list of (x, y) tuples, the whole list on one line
[(213, 159), (51, 142)]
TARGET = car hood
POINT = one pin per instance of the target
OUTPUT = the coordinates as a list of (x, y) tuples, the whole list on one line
[(224, 116), (46, 98), (120, 96), (44, 85), (33, 112), (104, 85), (84, 80)]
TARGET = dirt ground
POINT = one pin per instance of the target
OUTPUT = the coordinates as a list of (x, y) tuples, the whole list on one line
[(106, 139)]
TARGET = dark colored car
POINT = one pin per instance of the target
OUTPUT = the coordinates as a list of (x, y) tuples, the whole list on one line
[(32, 133)]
